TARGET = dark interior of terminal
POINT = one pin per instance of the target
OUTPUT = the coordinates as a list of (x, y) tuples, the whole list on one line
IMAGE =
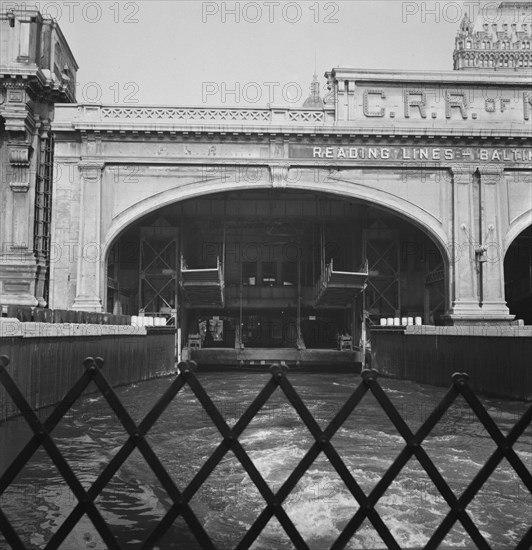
[(292, 269)]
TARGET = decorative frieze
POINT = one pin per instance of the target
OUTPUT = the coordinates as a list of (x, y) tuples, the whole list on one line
[(306, 116), (196, 114), (191, 114)]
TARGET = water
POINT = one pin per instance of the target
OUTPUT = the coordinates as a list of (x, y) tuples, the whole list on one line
[(276, 440)]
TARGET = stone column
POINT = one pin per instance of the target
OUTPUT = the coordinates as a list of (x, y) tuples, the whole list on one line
[(490, 252), (88, 292), (465, 303)]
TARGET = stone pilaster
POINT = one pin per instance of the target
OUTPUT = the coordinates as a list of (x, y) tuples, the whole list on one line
[(465, 303), (477, 258), (64, 232), (344, 95), (88, 292), (490, 252), (17, 260)]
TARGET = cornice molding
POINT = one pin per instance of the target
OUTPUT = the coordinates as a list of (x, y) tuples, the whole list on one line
[(323, 133)]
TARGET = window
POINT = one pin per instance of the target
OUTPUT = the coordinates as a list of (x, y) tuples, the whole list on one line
[(249, 273), (269, 273), (289, 273)]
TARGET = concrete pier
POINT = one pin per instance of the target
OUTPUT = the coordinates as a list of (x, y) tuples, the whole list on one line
[(46, 359), (497, 359)]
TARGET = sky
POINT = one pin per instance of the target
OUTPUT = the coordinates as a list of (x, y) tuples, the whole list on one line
[(215, 53)]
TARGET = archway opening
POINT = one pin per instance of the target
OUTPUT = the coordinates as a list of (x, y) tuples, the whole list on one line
[(258, 260), (518, 276)]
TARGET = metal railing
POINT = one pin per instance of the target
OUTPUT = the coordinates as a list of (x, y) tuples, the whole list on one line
[(230, 441)]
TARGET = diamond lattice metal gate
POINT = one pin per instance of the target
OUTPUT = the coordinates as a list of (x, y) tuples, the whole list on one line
[(42, 436)]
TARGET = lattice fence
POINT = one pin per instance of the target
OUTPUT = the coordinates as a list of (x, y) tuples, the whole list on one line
[(42, 436)]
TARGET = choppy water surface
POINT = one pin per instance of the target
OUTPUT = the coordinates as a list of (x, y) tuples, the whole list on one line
[(276, 440)]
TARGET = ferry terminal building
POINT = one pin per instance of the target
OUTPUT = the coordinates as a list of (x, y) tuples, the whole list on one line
[(399, 195)]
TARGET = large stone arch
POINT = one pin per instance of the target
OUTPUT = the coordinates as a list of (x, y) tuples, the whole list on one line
[(402, 207)]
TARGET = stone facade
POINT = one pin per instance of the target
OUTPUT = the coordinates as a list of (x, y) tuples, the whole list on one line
[(427, 146), (37, 69), (448, 151)]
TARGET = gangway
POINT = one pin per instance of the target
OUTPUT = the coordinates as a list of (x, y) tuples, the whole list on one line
[(203, 287), (339, 288)]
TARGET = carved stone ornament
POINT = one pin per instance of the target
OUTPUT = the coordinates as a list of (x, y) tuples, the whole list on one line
[(15, 96), (20, 156), (461, 175), (279, 176), (91, 171), (19, 186), (491, 173)]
